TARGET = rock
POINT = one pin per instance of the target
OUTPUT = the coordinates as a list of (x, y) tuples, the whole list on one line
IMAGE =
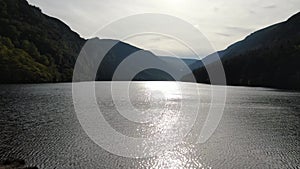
[(14, 164)]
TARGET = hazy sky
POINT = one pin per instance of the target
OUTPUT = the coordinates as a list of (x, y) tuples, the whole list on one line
[(223, 22)]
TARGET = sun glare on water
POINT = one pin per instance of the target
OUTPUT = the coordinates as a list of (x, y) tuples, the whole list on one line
[(168, 89)]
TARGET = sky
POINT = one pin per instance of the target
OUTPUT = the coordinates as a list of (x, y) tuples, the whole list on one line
[(221, 22)]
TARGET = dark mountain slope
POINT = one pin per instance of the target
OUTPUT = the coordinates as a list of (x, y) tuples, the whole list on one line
[(35, 47), (269, 57), (119, 53), (141, 63), (267, 37)]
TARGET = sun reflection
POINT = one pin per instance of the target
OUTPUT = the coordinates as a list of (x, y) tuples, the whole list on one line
[(162, 85), (182, 156), (168, 108), (171, 159), (170, 90)]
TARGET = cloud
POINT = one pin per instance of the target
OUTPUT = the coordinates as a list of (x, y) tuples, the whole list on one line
[(224, 34), (252, 12), (222, 22), (157, 38), (239, 29), (216, 9), (270, 7)]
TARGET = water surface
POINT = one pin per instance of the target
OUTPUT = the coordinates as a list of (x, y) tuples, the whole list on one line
[(259, 128)]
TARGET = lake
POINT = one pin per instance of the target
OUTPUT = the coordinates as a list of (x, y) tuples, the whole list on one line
[(259, 128)]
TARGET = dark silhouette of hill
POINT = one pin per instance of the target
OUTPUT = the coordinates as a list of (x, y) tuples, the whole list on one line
[(269, 57), (36, 48), (140, 64), (94, 49)]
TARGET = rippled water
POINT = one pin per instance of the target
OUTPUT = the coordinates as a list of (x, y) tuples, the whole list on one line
[(259, 129)]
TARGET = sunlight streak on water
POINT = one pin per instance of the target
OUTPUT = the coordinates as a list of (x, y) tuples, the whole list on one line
[(170, 90), (170, 107), (259, 129)]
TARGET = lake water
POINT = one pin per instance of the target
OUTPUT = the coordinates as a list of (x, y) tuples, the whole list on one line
[(259, 128)]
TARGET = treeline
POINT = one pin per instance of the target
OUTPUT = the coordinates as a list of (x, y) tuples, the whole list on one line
[(268, 58), (278, 66), (35, 47)]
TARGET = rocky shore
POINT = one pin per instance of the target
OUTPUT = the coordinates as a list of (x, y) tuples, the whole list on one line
[(14, 164)]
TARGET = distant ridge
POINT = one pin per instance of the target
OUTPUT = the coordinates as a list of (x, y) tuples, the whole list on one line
[(36, 48), (269, 57)]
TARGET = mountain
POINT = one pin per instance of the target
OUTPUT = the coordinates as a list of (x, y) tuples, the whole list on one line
[(191, 63), (139, 64), (117, 55), (36, 48), (269, 57)]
